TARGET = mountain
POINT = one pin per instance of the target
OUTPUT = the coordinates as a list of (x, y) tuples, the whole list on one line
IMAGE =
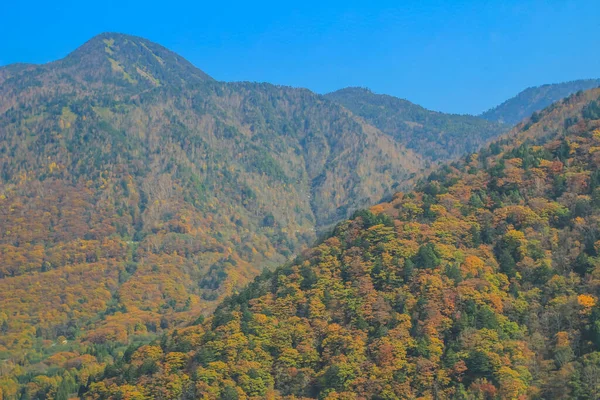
[(136, 192), (434, 135), (535, 99), (480, 284)]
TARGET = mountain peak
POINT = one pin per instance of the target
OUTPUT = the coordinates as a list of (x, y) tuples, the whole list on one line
[(358, 92), (352, 89), (131, 59)]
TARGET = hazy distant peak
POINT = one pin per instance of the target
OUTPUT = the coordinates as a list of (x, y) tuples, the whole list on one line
[(536, 98)]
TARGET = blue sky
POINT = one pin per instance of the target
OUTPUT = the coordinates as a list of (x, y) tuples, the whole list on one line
[(452, 56)]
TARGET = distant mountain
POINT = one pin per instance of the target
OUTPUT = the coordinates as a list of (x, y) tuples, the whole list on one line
[(136, 191), (535, 99), (483, 283), (434, 135)]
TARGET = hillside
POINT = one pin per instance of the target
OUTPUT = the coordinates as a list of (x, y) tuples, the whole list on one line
[(480, 284), (535, 99), (136, 192), (434, 135)]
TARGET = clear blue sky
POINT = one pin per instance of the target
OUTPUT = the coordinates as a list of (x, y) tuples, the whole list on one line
[(453, 56)]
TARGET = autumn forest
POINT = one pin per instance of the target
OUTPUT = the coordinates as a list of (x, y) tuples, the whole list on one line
[(165, 235)]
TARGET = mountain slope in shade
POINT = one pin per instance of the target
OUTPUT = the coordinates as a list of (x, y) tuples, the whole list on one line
[(483, 283), (136, 191), (434, 135), (535, 99)]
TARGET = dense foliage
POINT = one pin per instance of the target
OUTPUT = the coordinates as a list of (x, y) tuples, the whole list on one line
[(481, 284), (136, 192), (534, 99), (434, 135)]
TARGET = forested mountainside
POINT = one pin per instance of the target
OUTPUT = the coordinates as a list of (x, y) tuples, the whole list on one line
[(434, 135), (135, 192), (483, 283), (535, 99)]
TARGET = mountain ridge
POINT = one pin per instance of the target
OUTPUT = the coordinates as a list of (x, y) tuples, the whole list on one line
[(435, 135), (535, 98)]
